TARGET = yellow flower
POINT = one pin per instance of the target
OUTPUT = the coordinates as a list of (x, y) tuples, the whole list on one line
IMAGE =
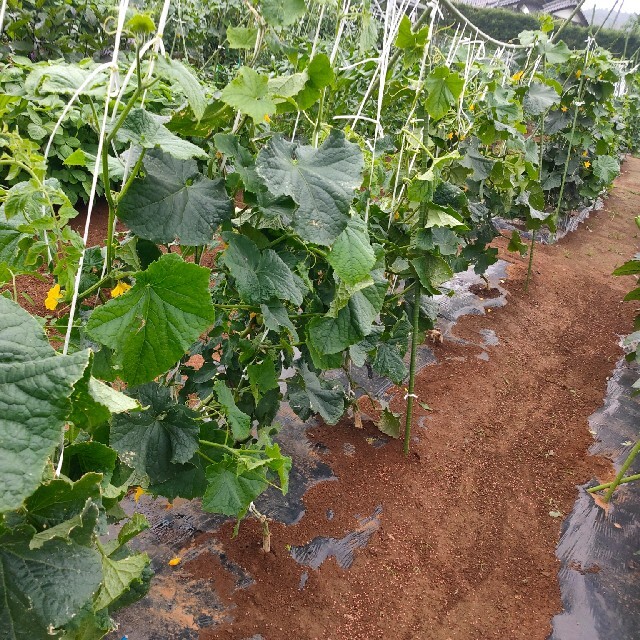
[(587, 164), (267, 119), (450, 135), (174, 561), (472, 107), (53, 298), (138, 493), (578, 73), (564, 109), (119, 289), (516, 77), (585, 154)]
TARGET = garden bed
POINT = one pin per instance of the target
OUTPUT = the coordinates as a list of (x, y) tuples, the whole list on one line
[(458, 540)]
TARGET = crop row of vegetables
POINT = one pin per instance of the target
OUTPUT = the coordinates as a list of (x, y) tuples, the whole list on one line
[(292, 206)]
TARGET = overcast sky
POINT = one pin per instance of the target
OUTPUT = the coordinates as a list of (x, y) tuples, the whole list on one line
[(630, 6)]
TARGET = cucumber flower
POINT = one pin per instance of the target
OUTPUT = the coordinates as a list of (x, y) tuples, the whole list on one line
[(578, 73), (587, 164), (516, 77), (54, 296), (119, 289)]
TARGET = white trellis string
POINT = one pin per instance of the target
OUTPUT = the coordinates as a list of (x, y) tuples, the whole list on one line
[(113, 83), (3, 8), (313, 53)]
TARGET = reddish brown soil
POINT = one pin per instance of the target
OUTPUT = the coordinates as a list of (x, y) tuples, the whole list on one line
[(465, 550)]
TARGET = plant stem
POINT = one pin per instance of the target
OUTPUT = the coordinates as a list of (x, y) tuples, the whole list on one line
[(98, 285), (231, 450), (530, 267), (412, 366), (606, 485), (627, 463), (416, 297), (132, 175)]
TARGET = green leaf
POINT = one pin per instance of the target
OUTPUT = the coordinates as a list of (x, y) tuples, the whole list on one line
[(262, 378), (516, 244), (34, 403), (43, 589), (239, 421), (389, 363), (287, 86), (231, 493), (140, 23), (407, 39), (242, 37), (147, 131), (118, 576), (153, 440), (174, 202), (444, 88), (153, 325), (556, 52), (322, 397), (321, 182), (259, 275), (275, 316), (93, 402), (180, 74), (248, 94), (352, 256), (389, 423), (81, 527), (445, 217), (85, 457), (242, 160), (320, 73), (59, 500), (352, 323), (281, 13), (540, 98), (188, 481), (630, 268), (432, 272), (480, 165), (605, 168)]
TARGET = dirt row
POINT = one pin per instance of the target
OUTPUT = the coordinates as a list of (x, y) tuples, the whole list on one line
[(470, 520)]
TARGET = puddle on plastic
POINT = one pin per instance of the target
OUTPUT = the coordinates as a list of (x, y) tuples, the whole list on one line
[(600, 570), (178, 605)]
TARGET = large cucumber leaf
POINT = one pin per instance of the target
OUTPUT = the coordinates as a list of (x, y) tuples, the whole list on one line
[(153, 325), (352, 256), (154, 440), (321, 182), (260, 275), (42, 589), (34, 403), (174, 202)]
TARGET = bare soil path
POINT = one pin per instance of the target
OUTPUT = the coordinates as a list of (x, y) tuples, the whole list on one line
[(466, 545)]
